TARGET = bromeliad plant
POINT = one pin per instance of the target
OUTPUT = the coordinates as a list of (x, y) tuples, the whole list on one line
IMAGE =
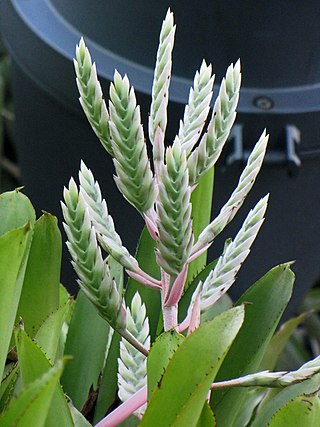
[(170, 345), (163, 197)]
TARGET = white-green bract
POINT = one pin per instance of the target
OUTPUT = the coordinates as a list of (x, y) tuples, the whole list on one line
[(160, 190)]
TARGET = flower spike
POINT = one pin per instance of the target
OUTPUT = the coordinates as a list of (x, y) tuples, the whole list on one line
[(174, 213), (229, 263), (197, 109), (162, 76), (132, 365), (91, 97), (223, 117), (92, 270), (238, 196), (134, 176)]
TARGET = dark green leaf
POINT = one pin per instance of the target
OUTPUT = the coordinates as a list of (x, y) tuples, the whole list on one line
[(48, 335), (33, 364), (109, 381), (7, 386), (32, 406), (206, 418), (146, 256), (273, 405), (16, 210), (42, 277), (14, 250), (278, 342), (201, 200), (159, 356), (302, 411), (86, 343), (179, 398), (267, 300)]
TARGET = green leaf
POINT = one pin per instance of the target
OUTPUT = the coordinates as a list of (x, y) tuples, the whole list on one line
[(201, 200), (48, 335), (42, 277), (78, 419), (33, 364), (63, 295), (86, 343), (302, 411), (109, 381), (32, 406), (7, 386), (278, 342), (14, 249), (267, 300), (180, 396), (159, 356), (147, 261), (282, 398), (206, 418), (16, 210)]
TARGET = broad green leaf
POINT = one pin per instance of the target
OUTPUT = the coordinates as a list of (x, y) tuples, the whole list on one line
[(146, 256), (283, 397), (63, 295), (253, 397), (42, 277), (159, 356), (86, 343), (206, 418), (32, 406), (78, 419), (109, 381), (278, 342), (201, 200), (14, 249), (302, 411), (267, 300), (49, 333), (16, 210), (33, 364), (131, 421), (180, 396), (295, 353)]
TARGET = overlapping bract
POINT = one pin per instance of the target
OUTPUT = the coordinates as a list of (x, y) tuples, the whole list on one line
[(92, 270), (197, 109), (103, 223), (223, 117), (132, 371), (134, 177), (224, 274), (91, 98), (174, 212), (162, 76)]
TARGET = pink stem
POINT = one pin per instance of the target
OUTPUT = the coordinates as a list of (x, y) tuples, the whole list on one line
[(170, 317), (145, 280), (127, 408)]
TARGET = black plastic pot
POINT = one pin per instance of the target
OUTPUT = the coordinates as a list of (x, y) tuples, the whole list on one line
[(278, 44)]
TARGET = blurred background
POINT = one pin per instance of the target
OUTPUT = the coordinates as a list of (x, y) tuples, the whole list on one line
[(44, 133)]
